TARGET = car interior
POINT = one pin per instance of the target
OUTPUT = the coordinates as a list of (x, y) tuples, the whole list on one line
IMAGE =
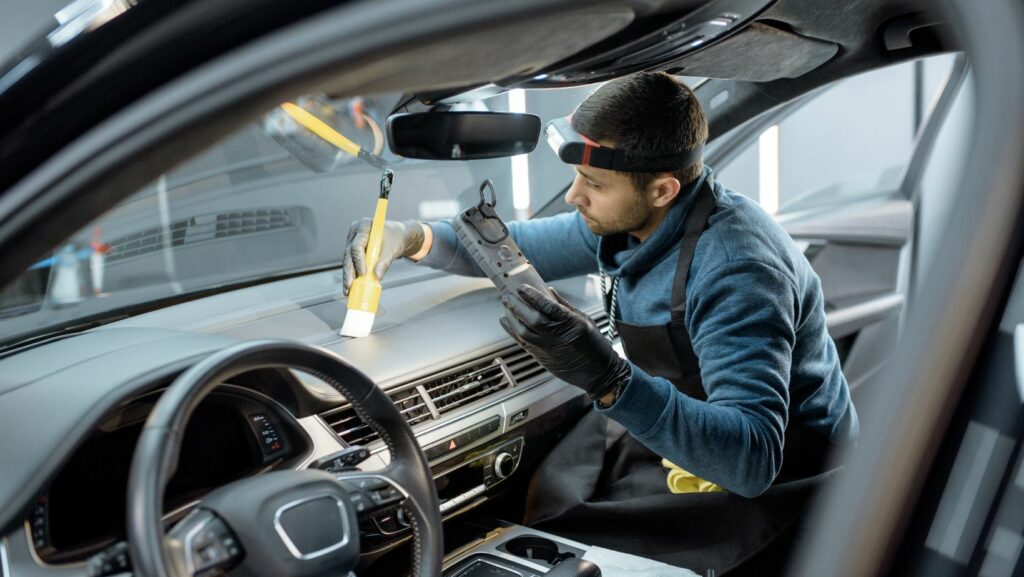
[(180, 415)]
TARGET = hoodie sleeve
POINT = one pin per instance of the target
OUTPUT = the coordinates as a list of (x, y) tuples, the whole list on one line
[(559, 246), (741, 321)]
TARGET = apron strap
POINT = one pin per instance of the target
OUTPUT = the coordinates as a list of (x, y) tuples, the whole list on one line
[(695, 222), (610, 300)]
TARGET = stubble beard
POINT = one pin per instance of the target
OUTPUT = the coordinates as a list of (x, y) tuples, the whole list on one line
[(635, 217)]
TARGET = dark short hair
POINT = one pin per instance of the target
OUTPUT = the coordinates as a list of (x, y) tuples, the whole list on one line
[(648, 114)]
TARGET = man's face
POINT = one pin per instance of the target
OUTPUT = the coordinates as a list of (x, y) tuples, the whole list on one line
[(608, 201)]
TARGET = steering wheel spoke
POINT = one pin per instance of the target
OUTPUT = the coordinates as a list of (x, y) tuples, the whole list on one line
[(202, 544)]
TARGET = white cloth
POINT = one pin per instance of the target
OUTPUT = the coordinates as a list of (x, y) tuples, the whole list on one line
[(616, 564)]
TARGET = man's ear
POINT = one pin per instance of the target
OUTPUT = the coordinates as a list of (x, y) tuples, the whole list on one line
[(664, 190)]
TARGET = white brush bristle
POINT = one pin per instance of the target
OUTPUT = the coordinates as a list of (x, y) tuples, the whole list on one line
[(357, 323)]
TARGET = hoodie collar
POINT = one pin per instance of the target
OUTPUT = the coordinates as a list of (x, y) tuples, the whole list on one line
[(623, 255)]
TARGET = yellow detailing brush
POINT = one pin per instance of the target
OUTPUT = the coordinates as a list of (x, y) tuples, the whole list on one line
[(364, 295), (312, 123)]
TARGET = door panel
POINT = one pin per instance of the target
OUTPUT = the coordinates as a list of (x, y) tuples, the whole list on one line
[(858, 252)]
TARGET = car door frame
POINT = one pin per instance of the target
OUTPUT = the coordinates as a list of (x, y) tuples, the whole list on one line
[(860, 522)]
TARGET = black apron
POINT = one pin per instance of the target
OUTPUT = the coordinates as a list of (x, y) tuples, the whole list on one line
[(602, 487)]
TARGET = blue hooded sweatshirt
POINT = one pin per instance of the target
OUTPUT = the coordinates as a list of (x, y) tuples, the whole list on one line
[(756, 318)]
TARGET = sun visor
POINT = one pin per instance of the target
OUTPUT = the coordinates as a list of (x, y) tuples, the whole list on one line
[(767, 53)]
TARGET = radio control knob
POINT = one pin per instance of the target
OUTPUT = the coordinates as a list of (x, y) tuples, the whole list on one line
[(504, 465)]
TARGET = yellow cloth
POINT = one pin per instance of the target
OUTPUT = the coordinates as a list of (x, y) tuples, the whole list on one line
[(683, 481)]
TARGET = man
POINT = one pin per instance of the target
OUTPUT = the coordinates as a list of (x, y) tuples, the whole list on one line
[(729, 364)]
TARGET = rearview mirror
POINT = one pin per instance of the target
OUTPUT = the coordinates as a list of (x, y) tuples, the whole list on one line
[(462, 135)]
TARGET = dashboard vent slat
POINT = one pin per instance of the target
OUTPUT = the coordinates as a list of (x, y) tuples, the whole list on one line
[(523, 366)]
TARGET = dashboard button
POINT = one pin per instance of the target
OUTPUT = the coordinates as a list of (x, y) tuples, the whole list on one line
[(358, 501), (385, 496), (518, 417)]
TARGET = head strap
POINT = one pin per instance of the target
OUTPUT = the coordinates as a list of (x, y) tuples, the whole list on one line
[(575, 148)]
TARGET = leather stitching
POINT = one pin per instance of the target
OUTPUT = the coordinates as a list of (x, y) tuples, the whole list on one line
[(416, 535), (416, 545)]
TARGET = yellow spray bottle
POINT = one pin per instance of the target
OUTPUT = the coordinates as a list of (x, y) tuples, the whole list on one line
[(364, 296)]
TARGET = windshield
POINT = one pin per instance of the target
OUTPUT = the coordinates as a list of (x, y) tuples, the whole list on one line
[(248, 211)]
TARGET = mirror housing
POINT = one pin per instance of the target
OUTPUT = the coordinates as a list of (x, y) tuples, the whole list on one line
[(462, 135)]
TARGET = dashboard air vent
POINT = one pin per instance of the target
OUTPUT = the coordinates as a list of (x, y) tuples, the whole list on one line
[(351, 428), (411, 405), (521, 364), (448, 391), (467, 385)]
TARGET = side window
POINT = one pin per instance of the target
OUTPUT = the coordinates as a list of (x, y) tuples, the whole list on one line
[(850, 142)]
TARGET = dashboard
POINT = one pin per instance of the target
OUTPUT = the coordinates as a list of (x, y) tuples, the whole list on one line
[(72, 408)]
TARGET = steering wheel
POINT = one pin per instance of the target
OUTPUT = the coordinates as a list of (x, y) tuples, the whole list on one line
[(286, 523)]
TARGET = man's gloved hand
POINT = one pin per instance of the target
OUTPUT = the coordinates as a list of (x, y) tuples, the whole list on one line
[(565, 341), (400, 239)]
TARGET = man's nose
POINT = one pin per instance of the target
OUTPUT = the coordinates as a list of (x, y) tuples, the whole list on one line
[(573, 196)]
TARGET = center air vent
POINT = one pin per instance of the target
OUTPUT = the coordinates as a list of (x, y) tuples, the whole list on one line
[(463, 386), (522, 365), (201, 228)]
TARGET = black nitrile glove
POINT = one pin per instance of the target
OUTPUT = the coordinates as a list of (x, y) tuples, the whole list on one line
[(400, 239), (565, 341)]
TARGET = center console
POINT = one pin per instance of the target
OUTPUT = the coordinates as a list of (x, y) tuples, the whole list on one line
[(484, 470), (513, 551), (508, 550), (462, 481)]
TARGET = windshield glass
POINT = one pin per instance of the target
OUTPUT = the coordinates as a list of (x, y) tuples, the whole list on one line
[(248, 210)]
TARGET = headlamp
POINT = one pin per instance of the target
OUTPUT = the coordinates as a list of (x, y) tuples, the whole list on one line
[(574, 148)]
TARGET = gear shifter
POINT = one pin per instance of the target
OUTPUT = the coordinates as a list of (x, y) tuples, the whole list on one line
[(574, 567)]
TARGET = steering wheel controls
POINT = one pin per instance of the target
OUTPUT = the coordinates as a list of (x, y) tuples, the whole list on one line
[(370, 493), (208, 546), (110, 561)]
